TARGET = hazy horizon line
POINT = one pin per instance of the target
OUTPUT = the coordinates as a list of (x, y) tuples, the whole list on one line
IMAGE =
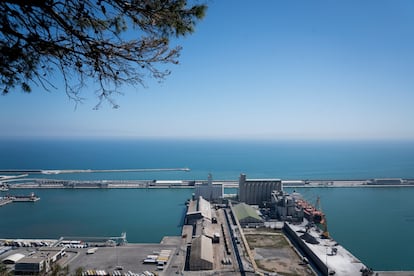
[(206, 139)]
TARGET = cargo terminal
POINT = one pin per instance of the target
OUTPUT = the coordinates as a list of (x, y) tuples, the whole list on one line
[(261, 231)]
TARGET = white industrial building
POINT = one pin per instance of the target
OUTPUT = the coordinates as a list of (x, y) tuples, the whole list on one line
[(209, 191), (41, 260), (284, 207), (12, 259), (198, 209)]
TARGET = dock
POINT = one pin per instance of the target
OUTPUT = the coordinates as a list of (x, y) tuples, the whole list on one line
[(18, 198), (41, 171), (4, 201), (327, 255)]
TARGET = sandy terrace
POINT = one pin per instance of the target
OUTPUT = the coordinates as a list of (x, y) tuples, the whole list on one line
[(273, 253)]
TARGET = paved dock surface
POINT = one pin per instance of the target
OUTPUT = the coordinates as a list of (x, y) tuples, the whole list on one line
[(130, 257), (342, 262), (394, 273)]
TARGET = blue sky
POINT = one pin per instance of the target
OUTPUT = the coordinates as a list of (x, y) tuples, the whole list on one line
[(257, 70)]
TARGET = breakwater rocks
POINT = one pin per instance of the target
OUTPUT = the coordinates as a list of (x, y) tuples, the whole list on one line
[(125, 184)]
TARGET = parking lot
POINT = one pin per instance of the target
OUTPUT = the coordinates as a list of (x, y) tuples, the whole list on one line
[(122, 258)]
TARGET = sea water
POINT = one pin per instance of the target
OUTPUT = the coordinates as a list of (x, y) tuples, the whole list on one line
[(375, 224), (224, 159), (146, 215)]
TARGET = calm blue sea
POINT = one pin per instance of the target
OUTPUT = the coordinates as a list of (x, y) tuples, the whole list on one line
[(375, 224), (225, 159)]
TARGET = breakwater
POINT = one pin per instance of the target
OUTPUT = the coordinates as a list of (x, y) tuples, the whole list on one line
[(18, 171), (108, 184), (31, 183)]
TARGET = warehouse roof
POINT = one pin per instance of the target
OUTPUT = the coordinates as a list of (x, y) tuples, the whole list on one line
[(243, 211), (30, 260), (204, 207), (201, 250), (201, 207), (12, 259)]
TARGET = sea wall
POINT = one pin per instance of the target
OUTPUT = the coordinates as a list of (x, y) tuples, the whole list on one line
[(294, 237)]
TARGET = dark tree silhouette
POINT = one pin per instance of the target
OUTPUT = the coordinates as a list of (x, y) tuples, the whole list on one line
[(4, 271), (112, 42)]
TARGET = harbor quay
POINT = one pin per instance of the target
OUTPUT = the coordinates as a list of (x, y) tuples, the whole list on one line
[(212, 243), (261, 231), (32, 183), (84, 258), (18, 198)]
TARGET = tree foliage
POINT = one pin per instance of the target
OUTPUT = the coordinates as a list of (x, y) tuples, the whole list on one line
[(113, 42), (79, 271), (4, 271)]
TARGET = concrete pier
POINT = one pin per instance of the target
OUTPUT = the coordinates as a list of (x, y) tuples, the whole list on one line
[(91, 171), (328, 256), (4, 201), (117, 184)]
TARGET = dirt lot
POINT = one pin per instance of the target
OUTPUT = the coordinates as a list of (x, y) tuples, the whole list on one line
[(273, 253)]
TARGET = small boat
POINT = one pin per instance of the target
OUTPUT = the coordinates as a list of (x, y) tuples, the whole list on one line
[(4, 188)]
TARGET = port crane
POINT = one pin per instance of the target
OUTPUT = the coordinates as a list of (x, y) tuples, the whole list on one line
[(323, 221), (325, 233)]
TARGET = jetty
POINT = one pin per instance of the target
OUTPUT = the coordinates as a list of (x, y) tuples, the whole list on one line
[(4, 201), (330, 257), (41, 171), (18, 198)]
